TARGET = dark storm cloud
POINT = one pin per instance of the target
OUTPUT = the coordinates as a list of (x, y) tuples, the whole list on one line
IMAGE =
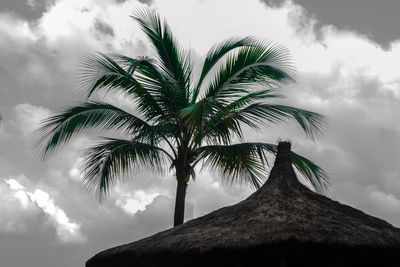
[(22, 8), (376, 19)]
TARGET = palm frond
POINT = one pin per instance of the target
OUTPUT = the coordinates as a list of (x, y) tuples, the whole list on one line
[(215, 54), (196, 114), (131, 64), (242, 162), (161, 87), (312, 172), (257, 64), (317, 177), (174, 60), (101, 73), (254, 114), (246, 162), (58, 129), (222, 122), (103, 163)]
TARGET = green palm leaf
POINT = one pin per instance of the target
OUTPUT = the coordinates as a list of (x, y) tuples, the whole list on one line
[(318, 178), (215, 54), (100, 72), (258, 113), (131, 64), (312, 172), (104, 162), (258, 64), (243, 163), (213, 119), (58, 129), (161, 87), (173, 59)]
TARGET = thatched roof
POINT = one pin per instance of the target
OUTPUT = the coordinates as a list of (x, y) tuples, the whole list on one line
[(282, 224)]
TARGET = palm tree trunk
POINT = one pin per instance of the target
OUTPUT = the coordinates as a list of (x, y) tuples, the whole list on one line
[(180, 200)]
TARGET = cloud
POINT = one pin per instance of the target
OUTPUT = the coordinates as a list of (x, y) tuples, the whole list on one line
[(383, 200), (209, 192), (16, 212), (46, 53), (75, 173), (104, 28), (341, 74), (30, 10), (67, 231), (136, 201), (28, 117), (158, 216)]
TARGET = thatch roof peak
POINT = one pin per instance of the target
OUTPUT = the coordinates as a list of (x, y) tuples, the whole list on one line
[(281, 171), (282, 223)]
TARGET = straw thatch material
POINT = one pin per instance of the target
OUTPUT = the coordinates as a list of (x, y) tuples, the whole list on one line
[(282, 224)]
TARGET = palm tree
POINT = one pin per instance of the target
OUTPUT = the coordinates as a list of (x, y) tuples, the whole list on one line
[(182, 121)]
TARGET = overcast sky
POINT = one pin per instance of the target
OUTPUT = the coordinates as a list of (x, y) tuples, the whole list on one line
[(347, 54)]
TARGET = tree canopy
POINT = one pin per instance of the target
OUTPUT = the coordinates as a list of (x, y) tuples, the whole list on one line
[(183, 118)]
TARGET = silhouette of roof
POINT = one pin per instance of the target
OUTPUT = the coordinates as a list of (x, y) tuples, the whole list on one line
[(283, 223)]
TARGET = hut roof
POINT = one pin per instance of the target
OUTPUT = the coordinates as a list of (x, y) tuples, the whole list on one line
[(282, 222)]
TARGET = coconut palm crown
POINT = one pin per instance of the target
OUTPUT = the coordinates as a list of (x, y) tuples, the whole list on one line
[(184, 119)]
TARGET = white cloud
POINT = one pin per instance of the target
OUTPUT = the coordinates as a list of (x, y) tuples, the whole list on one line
[(136, 201), (75, 172), (16, 208), (66, 20), (224, 19), (67, 231), (20, 193), (14, 185), (350, 53)]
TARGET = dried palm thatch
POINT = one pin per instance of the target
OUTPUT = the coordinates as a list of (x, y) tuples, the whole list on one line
[(282, 224)]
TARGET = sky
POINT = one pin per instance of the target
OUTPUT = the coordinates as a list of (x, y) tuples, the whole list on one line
[(347, 59)]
